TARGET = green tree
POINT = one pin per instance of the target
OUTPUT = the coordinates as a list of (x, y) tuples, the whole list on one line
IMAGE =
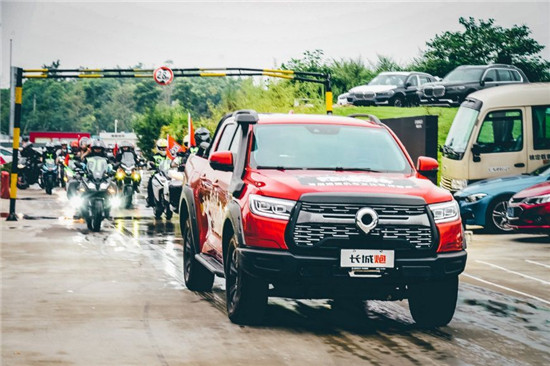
[(483, 42), (347, 73)]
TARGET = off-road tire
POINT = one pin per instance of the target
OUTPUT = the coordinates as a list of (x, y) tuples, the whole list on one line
[(433, 303), (246, 296), (196, 277)]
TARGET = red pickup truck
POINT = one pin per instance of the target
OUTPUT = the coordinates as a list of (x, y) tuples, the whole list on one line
[(314, 206)]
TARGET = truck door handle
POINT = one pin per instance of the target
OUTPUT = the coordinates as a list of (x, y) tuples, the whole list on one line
[(519, 165)]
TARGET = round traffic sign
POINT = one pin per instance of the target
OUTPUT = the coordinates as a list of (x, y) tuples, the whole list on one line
[(163, 75)]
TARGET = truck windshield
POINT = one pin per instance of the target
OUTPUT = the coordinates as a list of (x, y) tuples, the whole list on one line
[(326, 147), (464, 75), (459, 134)]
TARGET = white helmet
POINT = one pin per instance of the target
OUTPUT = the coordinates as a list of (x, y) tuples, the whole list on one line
[(162, 144)]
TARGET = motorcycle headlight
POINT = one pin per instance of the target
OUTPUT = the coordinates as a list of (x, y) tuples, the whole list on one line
[(111, 190), (445, 212), (136, 176), (536, 200), (76, 202), (275, 208), (104, 185), (115, 202), (91, 186), (475, 197), (120, 175), (20, 166)]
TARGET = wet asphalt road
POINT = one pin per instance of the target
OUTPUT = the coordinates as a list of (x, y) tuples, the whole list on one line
[(73, 297)]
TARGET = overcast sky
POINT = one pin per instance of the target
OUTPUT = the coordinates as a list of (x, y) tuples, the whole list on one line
[(238, 34)]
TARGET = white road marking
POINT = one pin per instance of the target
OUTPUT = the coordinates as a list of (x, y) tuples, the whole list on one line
[(537, 263), (516, 273), (506, 288)]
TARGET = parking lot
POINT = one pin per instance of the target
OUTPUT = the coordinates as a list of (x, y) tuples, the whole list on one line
[(117, 297)]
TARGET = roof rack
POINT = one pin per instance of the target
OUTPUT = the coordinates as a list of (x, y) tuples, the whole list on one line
[(371, 117)]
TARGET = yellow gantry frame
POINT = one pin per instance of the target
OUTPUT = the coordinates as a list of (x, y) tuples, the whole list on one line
[(312, 77)]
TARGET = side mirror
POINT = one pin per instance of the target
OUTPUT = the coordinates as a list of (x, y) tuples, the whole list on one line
[(222, 160), (428, 167), (408, 85), (476, 151), (482, 82)]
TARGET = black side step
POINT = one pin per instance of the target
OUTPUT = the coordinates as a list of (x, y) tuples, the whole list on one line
[(211, 264)]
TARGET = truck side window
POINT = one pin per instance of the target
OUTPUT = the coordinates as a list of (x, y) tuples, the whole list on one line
[(541, 127), (501, 131), (226, 138)]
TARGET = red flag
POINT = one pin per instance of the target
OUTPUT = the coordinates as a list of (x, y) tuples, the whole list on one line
[(67, 157), (115, 149), (192, 142), (173, 148)]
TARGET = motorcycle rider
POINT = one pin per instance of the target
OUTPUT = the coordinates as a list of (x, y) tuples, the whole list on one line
[(27, 150), (160, 154), (49, 152), (97, 148), (125, 147), (202, 135), (84, 145)]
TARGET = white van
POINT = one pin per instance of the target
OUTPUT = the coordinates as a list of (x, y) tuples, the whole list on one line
[(497, 132)]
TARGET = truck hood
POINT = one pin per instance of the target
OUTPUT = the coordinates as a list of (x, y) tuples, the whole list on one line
[(292, 184), (495, 186), (372, 88)]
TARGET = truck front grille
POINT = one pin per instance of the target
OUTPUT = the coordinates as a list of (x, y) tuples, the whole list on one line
[(333, 225)]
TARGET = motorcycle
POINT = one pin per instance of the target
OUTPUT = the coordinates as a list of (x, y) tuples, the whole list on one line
[(61, 169), (73, 178), (49, 174), (160, 182), (28, 172), (128, 178), (98, 193)]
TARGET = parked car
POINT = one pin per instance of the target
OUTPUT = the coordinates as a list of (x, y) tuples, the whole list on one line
[(464, 80), (529, 210), (497, 132), (485, 203), (390, 88), (6, 155), (343, 99), (315, 206)]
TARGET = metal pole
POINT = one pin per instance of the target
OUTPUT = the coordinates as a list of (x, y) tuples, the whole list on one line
[(116, 125), (16, 132), (328, 95)]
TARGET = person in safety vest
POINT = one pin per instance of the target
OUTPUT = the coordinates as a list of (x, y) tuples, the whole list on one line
[(160, 154)]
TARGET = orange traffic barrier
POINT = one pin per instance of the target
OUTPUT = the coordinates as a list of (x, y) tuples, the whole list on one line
[(5, 185)]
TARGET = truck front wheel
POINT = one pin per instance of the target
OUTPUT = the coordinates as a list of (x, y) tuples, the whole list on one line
[(246, 295), (432, 304), (196, 277)]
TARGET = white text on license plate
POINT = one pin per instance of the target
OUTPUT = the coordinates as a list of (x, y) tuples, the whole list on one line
[(367, 258)]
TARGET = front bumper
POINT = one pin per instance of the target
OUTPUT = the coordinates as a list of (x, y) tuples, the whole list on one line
[(309, 276), (366, 101)]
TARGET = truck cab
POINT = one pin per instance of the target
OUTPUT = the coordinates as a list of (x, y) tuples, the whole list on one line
[(497, 132)]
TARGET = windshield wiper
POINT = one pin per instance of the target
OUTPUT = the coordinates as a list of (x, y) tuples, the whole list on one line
[(342, 169)]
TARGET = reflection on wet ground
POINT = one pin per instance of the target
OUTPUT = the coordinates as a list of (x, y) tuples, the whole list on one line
[(489, 328)]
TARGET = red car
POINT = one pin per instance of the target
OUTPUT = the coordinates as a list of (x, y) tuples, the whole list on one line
[(529, 210), (313, 206)]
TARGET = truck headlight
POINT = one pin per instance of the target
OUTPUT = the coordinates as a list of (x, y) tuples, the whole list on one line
[(537, 200), (458, 184), (445, 212), (275, 208), (475, 197)]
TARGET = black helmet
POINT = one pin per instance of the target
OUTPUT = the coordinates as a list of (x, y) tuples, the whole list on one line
[(202, 135), (98, 147)]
